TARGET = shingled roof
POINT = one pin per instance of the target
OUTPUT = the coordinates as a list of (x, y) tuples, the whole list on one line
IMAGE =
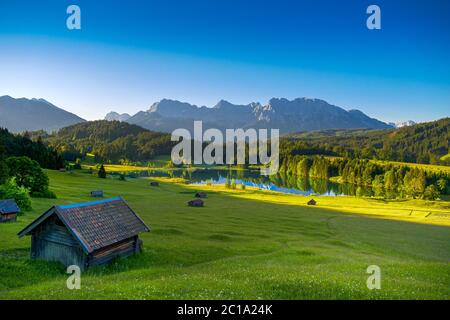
[(8, 206), (95, 224)]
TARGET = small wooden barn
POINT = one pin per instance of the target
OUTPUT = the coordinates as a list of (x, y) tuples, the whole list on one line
[(195, 203), (312, 202), (86, 234), (8, 210), (200, 195), (97, 193)]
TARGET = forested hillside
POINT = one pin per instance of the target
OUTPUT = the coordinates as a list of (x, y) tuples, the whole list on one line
[(109, 141), (22, 145), (422, 143), (112, 141)]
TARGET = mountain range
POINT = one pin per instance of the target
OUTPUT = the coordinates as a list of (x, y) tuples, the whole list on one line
[(300, 114), (18, 115)]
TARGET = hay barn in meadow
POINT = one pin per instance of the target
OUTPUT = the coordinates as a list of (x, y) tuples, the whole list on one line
[(86, 234), (8, 210), (195, 203), (200, 195), (97, 193)]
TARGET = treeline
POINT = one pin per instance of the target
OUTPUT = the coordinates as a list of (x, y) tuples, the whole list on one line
[(21, 162), (426, 143), (113, 141), (108, 141), (386, 180), (15, 145)]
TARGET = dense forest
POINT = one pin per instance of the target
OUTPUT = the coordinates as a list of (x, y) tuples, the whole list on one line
[(388, 180), (108, 141), (23, 145), (21, 162), (113, 141), (426, 143), (350, 156)]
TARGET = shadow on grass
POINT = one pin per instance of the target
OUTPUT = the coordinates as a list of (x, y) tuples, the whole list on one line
[(22, 271)]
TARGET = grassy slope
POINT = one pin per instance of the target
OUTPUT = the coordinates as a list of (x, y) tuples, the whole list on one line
[(243, 244)]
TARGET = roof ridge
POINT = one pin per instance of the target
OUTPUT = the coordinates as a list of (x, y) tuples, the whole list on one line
[(89, 203)]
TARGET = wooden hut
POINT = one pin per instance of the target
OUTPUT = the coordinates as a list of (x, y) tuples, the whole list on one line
[(200, 195), (312, 202), (195, 203), (154, 184), (97, 193), (8, 210), (86, 234)]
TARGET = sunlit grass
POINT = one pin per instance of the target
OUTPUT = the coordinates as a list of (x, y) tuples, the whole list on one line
[(417, 210)]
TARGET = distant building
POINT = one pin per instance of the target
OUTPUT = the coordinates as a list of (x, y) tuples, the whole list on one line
[(97, 193), (312, 202), (8, 210), (200, 195), (86, 234), (195, 203)]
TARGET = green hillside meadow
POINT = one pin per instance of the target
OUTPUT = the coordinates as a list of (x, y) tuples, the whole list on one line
[(244, 244)]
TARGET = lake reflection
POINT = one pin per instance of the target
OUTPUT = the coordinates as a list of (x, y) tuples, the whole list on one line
[(252, 178)]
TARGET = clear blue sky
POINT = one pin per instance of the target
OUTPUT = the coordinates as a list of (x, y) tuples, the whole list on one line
[(130, 54)]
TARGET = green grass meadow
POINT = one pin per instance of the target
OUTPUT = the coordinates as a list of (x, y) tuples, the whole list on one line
[(244, 244)]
